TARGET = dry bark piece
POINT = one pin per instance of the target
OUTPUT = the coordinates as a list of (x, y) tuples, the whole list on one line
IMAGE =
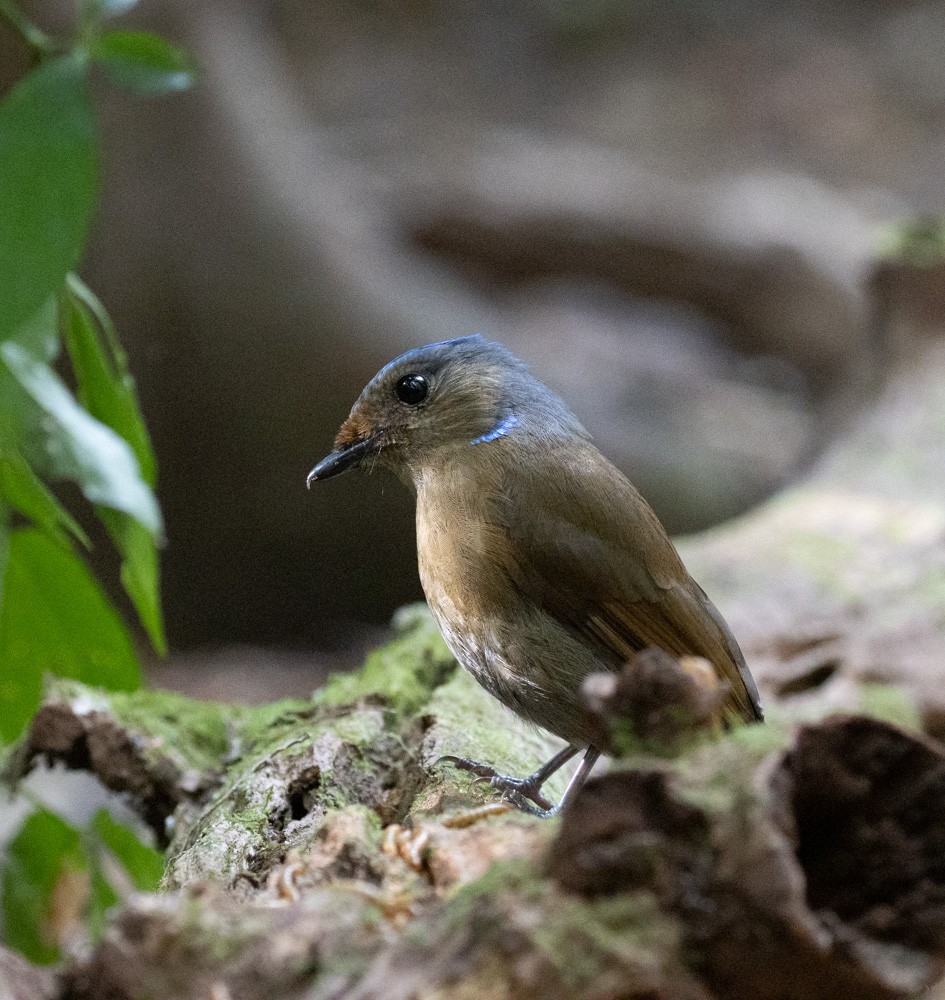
[(819, 872), (868, 807), (519, 938), (460, 855), (93, 741), (627, 831), (182, 946), (655, 702)]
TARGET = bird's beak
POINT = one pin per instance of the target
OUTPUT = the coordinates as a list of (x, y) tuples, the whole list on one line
[(349, 457)]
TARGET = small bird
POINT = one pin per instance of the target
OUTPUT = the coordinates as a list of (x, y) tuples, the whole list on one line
[(540, 561)]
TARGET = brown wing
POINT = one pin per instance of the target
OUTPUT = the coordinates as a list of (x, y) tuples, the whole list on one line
[(586, 547)]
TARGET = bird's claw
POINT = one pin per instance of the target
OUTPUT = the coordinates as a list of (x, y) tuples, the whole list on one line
[(523, 793), (526, 805)]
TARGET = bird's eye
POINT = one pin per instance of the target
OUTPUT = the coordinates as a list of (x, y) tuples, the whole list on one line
[(412, 389)]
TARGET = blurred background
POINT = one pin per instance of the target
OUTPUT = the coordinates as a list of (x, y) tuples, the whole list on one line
[(670, 210)]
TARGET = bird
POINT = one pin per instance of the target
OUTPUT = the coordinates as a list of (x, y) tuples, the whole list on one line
[(540, 561)]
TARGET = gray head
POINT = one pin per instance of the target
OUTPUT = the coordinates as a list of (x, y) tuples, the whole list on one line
[(459, 393)]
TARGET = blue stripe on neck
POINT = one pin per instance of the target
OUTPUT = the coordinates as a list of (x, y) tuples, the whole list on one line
[(500, 430)]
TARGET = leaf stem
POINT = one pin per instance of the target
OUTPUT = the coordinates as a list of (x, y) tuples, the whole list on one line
[(36, 38)]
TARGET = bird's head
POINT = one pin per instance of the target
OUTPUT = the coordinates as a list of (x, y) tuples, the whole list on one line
[(435, 399)]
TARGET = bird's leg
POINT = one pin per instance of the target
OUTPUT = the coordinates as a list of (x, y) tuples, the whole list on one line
[(574, 786), (524, 789)]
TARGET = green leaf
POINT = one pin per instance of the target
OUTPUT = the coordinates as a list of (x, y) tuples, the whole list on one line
[(140, 572), (81, 448), (48, 185), (55, 618), (19, 415), (25, 492), (17, 411), (144, 864), (105, 386), (57, 883), (34, 37), (143, 62), (38, 861), (4, 545), (40, 333), (107, 391)]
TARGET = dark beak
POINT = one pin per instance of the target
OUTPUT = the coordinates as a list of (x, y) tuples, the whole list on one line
[(341, 461)]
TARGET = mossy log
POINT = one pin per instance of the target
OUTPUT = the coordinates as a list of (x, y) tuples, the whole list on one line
[(318, 849)]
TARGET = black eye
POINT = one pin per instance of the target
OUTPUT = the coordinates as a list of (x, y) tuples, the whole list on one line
[(412, 389)]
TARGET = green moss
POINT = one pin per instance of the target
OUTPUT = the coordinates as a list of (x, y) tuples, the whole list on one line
[(578, 937), (628, 930), (371, 830), (626, 742), (891, 704), (471, 723), (759, 738), (203, 736), (518, 876), (708, 777), (247, 820), (716, 776), (358, 728), (195, 735), (915, 243), (403, 673)]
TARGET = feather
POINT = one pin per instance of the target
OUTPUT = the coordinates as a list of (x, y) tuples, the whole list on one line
[(583, 546)]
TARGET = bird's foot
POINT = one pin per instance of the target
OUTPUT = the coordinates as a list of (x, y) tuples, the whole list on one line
[(523, 793)]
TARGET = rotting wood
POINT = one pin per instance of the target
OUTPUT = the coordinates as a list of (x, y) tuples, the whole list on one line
[(799, 859)]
